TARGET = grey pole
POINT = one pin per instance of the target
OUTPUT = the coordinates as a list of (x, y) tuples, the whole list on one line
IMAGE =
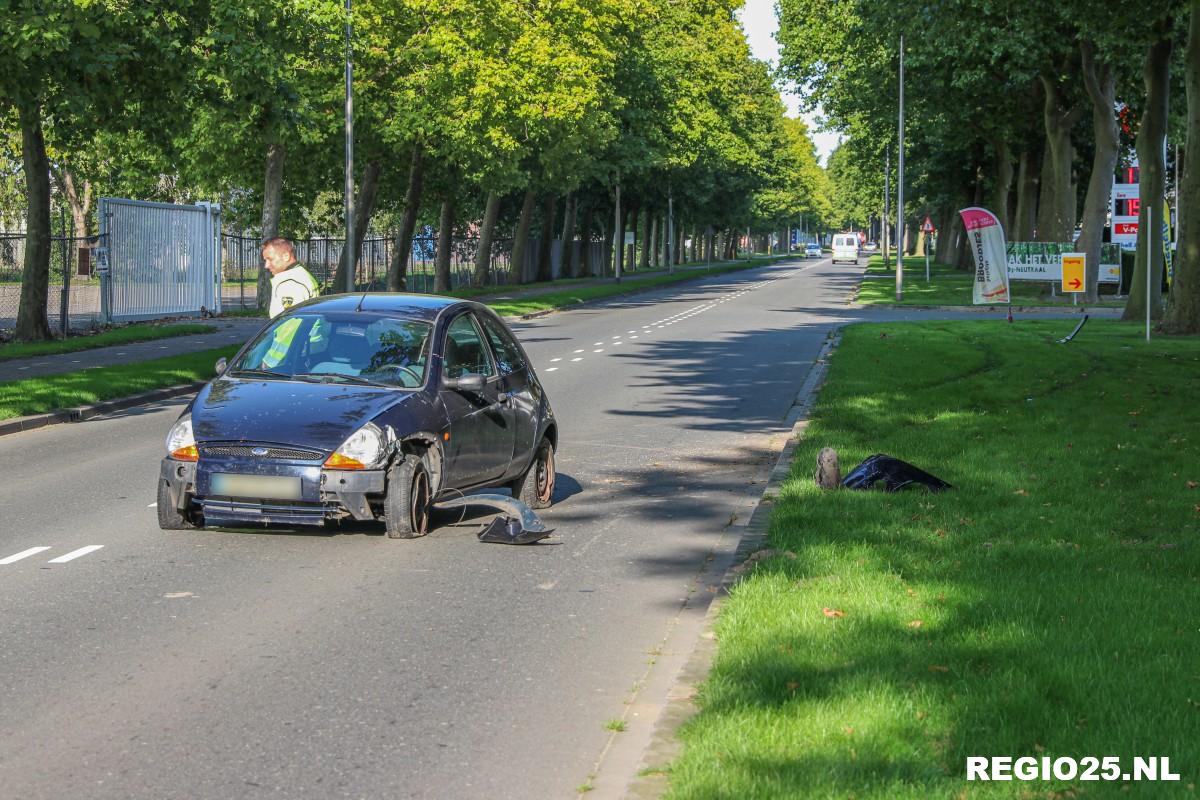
[(1149, 261), (887, 200), (900, 187), (352, 259)]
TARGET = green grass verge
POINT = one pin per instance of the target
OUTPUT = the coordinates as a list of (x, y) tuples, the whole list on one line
[(947, 286), (1047, 606), (126, 335), (53, 392)]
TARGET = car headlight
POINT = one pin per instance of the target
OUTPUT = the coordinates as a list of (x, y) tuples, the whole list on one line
[(364, 448), (181, 444)]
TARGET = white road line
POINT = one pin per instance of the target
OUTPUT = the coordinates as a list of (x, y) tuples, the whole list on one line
[(578, 351), (74, 554), (598, 350), (597, 344), (152, 505), (633, 337), (577, 359), (553, 360), (551, 369), (23, 554)]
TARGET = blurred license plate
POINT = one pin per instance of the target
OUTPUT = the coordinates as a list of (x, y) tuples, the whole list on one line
[(275, 487)]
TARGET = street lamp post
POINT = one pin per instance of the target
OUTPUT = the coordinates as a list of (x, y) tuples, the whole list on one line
[(351, 249), (900, 187)]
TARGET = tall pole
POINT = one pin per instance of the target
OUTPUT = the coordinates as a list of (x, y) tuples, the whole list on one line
[(1149, 261), (352, 259), (670, 230), (900, 187), (887, 200)]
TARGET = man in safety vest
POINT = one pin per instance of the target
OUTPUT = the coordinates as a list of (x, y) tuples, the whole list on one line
[(291, 284)]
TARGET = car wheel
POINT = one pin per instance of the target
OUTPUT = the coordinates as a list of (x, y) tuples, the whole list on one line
[(536, 487), (409, 497), (169, 517)]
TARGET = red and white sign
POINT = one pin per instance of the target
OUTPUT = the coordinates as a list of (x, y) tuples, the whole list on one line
[(1124, 209), (927, 225)]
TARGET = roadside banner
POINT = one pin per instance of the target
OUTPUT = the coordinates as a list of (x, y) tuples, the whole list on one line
[(991, 265), (1042, 261)]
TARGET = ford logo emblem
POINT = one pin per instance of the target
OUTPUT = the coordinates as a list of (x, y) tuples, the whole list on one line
[(259, 451)]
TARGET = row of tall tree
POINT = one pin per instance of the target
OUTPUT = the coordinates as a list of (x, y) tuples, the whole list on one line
[(1025, 108), (513, 115)]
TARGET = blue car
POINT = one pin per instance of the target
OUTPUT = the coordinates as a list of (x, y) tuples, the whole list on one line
[(365, 407)]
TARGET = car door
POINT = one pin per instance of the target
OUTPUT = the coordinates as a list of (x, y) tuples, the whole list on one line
[(517, 383), (479, 446)]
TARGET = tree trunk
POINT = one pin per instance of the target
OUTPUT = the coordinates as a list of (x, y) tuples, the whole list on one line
[(587, 263), (272, 206), (1152, 132), (441, 267), (606, 232), (1027, 185), (679, 256), (568, 266), (948, 230), (647, 227), (1056, 208), (483, 252), (1183, 304), (79, 202), (364, 206), (654, 240), (965, 259), (516, 261), (545, 266), (1100, 80), (1004, 179), (32, 323), (398, 268)]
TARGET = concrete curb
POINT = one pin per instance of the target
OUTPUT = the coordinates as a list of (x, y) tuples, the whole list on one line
[(81, 413), (651, 781), (994, 310)]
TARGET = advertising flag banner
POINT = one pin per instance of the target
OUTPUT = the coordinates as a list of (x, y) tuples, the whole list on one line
[(1166, 237), (986, 238)]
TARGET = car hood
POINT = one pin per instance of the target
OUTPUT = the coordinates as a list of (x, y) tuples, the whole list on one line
[(317, 415)]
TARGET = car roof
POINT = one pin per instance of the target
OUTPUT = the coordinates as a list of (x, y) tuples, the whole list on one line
[(425, 307)]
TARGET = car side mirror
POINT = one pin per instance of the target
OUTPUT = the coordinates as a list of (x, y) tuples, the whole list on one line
[(221, 364), (470, 382)]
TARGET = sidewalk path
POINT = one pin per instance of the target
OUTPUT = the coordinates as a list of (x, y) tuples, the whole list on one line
[(232, 331)]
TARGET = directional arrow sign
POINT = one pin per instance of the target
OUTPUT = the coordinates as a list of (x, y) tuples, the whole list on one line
[(1073, 271)]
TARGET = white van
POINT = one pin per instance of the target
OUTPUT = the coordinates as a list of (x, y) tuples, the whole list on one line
[(845, 248)]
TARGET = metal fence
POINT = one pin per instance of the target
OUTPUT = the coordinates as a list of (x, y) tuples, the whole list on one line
[(73, 296)]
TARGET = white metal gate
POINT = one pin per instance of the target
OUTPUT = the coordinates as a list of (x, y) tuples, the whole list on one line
[(159, 259)]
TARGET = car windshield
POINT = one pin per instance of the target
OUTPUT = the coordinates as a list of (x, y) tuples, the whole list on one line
[(340, 348)]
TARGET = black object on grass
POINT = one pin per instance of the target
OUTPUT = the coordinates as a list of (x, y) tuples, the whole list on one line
[(893, 473)]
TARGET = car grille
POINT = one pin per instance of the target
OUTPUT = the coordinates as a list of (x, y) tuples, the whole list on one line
[(245, 451)]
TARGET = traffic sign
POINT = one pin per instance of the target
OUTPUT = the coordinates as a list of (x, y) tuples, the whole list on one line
[(927, 225), (1073, 272)]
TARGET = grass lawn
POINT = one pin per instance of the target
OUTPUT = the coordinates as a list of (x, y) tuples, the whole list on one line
[(127, 335), (53, 392), (946, 287), (1047, 606)]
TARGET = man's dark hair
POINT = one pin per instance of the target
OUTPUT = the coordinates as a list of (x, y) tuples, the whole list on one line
[(280, 242)]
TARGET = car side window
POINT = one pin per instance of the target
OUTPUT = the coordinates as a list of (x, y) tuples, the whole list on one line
[(508, 354), (465, 351)]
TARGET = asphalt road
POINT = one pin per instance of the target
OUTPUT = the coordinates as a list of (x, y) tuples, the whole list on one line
[(141, 664)]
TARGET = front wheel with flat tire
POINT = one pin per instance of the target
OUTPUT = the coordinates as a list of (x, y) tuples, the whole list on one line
[(169, 517), (409, 497), (536, 487)]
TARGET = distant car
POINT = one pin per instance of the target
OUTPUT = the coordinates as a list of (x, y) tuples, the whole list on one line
[(845, 248), (368, 407), (870, 247), (812, 250)]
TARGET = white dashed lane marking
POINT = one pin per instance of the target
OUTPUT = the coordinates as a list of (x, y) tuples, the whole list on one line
[(74, 554), (63, 559), (671, 320), (33, 551)]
